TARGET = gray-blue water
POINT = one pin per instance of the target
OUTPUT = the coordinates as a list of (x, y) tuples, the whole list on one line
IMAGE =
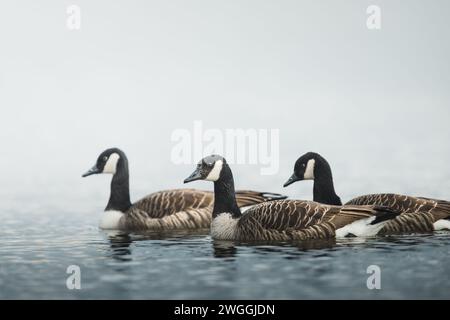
[(37, 248)]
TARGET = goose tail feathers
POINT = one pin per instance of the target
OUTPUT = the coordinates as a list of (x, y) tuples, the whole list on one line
[(383, 214)]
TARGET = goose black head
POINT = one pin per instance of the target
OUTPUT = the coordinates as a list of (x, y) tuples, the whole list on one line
[(209, 169), (107, 162), (304, 168)]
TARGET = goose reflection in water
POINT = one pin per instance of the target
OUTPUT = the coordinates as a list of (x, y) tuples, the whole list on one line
[(119, 245), (229, 249), (408, 242), (120, 241), (224, 249)]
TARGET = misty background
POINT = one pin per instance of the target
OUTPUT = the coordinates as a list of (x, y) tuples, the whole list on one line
[(375, 103)]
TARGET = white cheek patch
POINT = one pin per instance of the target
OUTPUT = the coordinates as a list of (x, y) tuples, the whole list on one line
[(309, 172), (111, 164), (215, 172)]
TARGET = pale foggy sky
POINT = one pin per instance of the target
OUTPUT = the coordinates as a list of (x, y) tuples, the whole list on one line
[(373, 102)]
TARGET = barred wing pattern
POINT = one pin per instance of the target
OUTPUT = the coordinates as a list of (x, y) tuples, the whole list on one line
[(297, 220), (247, 197), (186, 219), (181, 209), (164, 203), (418, 214)]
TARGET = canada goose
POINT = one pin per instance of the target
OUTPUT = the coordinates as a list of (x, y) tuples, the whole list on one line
[(163, 210), (418, 214), (281, 219)]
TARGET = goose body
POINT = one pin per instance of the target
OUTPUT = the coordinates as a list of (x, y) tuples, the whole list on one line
[(417, 214), (282, 219), (163, 210), (175, 209), (300, 220)]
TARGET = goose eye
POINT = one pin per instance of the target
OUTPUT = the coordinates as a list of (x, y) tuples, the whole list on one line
[(303, 165), (105, 158)]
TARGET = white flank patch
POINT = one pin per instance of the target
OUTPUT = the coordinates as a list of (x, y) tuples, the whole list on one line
[(215, 172), (309, 171), (361, 228), (111, 164), (442, 225), (110, 220), (223, 227)]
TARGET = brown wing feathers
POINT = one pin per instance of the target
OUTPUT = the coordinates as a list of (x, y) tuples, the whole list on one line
[(182, 209), (409, 222), (294, 219), (164, 203), (188, 219), (418, 214), (247, 197), (442, 207)]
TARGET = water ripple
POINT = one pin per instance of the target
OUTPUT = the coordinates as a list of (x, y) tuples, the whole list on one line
[(37, 249)]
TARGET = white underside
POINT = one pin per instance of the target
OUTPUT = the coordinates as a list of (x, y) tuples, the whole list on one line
[(223, 227), (442, 225), (361, 228), (110, 220)]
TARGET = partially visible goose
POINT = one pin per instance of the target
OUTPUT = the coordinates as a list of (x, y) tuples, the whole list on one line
[(163, 210), (281, 219), (418, 214)]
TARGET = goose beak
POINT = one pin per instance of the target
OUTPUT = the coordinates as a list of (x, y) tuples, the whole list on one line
[(91, 171), (291, 180), (196, 175)]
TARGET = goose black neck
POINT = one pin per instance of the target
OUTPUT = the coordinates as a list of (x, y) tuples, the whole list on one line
[(224, 194), (323, 184), (119, 198)]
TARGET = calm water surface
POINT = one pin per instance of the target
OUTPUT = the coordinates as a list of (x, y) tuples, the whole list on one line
[(37, 249)]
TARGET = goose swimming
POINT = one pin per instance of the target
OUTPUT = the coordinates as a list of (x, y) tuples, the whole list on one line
[(282, 219), (163, 210), (418, 214)]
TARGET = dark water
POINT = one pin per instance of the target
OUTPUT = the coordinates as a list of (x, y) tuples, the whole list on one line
[(37, 248)]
